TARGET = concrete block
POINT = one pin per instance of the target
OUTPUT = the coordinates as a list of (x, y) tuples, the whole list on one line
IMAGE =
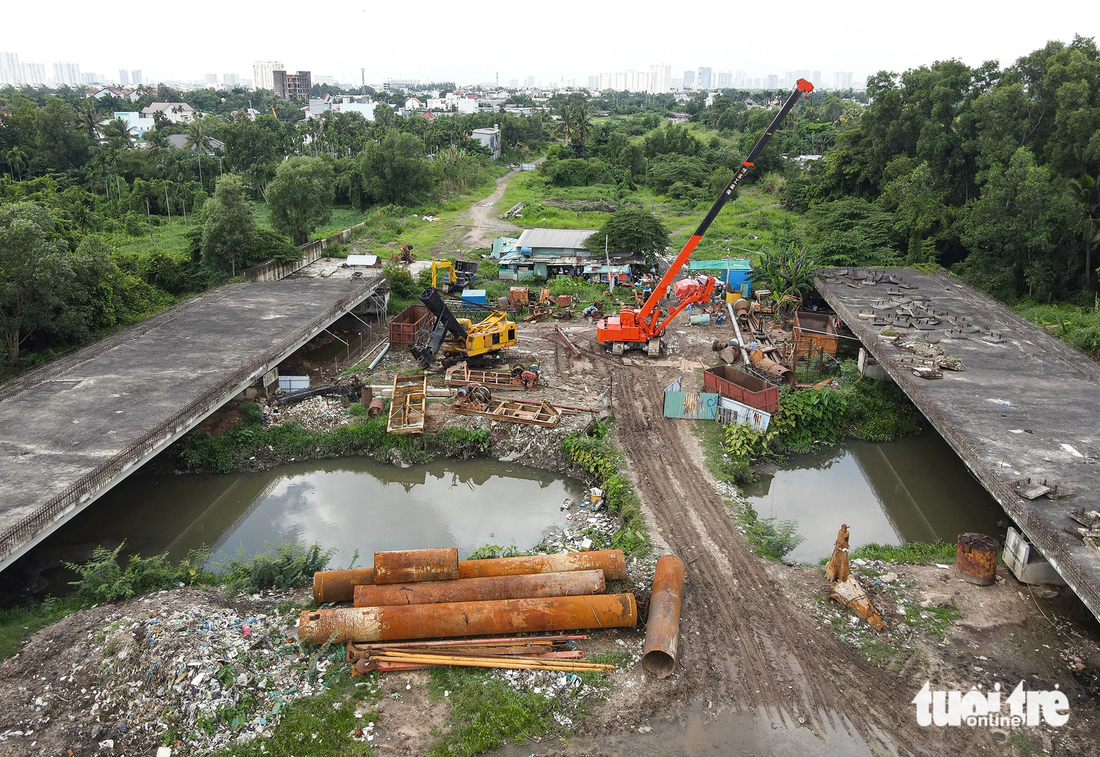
[(870, 367), (1027, 564)]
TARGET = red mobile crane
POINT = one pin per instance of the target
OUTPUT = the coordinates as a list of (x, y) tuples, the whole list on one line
[(634, 327)]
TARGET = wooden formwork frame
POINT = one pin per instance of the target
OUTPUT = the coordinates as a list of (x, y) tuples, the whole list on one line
[(408, 405), (461, 375)]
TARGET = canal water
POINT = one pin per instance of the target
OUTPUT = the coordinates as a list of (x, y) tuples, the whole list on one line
[(912, 489), (348, 504)]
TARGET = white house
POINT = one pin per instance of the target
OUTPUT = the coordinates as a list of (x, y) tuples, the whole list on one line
[(137, 123), (413, 104), (177, 113), (490, 138)]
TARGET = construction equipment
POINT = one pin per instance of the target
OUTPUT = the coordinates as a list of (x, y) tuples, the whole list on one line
[(448, 276), (634, 327), (460, 338)]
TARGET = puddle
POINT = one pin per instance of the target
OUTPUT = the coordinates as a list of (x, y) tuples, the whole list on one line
[(912, 489), (711, 732)]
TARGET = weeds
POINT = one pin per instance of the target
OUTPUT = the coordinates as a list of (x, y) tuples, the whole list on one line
[(102, 579), (913, 552), (493, 551), (768, 537), (289, 565), (598, 455)]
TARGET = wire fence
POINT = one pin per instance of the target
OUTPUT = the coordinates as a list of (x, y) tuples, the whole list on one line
[(84, 488)]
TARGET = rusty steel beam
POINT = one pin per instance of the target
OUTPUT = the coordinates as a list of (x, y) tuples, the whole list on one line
[(575, 583), (504, 616), (662, 631), (411, 565), (339, 585)]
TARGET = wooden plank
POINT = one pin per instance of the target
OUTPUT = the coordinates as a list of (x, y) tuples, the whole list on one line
[(527, 412)]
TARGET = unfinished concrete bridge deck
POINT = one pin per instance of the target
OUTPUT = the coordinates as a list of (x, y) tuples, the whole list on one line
[(73, 429), (1026, 406)]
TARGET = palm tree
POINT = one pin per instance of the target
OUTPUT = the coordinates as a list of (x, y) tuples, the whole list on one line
[(582, 121), (198, 138), (1086, 191), (565, 125), (156, 141), (87, 119), (17, 163), (117, 133)]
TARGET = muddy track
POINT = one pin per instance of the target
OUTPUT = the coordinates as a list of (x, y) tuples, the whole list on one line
[(745, 644)]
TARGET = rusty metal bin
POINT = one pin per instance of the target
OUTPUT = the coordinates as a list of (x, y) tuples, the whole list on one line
[(976, 558)]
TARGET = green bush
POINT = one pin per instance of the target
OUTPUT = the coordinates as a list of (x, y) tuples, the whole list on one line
[(102, 579), (290, 565)]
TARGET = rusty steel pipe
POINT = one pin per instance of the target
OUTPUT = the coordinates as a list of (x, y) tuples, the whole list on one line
[(339, 585), (576, 583), (335, 585), (662, 631), (976, 558), (502, 616), (611, 561), (411, 565), (376, 406)]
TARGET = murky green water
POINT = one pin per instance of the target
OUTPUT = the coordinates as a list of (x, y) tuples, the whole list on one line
[(913, 489), (349, 504)]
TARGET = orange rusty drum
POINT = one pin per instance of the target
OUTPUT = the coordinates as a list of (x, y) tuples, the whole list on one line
[(976, 558)]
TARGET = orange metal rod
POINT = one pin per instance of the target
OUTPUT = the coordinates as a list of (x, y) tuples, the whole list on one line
[(576, 583), (399, 622), (662, 632)]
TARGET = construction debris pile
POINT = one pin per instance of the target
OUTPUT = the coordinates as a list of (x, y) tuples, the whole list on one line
[(318, 413), (170, 664)]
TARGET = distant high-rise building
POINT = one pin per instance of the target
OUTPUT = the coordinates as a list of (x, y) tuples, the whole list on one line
[(514, 83), (725, 79), (328, 79), (739, 79), (816, 79), (842, 80), (291, 86), (530, 81), (660, 78), (34, 73), (135, 77), (210, 79), (689, 79), (123, 77), (91, 78), (773, 81), (790, 78), (67, 73), (676, 84), (262, 73), (231, 80), (702, 78), (10, 70), (757, 83)]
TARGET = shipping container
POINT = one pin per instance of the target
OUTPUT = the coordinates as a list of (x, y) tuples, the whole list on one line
[(406, 327), (742, 387)]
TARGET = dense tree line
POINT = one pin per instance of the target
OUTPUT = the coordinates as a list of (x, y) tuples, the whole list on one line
[(74, 182)]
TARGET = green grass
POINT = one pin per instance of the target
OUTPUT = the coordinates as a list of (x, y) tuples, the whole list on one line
[(1078, 326), (17, 623), (921, 553), (169, 236), (486, 712)]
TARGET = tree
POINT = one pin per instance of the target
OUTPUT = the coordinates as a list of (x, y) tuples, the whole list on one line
[(198, 138), (395, 171), (35, 275), (228, 230), (631, 229), (117, 133), (301, 197), (1086, 193)]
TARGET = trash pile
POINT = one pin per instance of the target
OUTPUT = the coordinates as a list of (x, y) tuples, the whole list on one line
[(319, 413), (590, 524), (177, 664)]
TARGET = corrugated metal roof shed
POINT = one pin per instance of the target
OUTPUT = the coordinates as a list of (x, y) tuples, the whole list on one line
[(566, 239), (734, 264)]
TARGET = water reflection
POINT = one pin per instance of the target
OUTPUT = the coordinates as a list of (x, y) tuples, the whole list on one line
[(913, 489), (349, 504)]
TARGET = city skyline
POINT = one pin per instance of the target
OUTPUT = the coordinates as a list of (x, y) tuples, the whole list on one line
[(863, 40)]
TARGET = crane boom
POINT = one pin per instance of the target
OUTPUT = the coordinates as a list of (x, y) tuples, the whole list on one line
[(640, 325)]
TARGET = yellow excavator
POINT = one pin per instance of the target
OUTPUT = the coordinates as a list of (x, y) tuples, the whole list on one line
[(461, 338), (450, 276)]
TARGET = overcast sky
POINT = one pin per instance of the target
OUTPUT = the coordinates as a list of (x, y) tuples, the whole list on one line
[(472, 42)]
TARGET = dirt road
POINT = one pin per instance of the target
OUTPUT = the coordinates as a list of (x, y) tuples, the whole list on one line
[(481, 224), (746, 645)]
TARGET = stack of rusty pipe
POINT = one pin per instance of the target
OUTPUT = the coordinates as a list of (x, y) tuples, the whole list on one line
[(430, 593)]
